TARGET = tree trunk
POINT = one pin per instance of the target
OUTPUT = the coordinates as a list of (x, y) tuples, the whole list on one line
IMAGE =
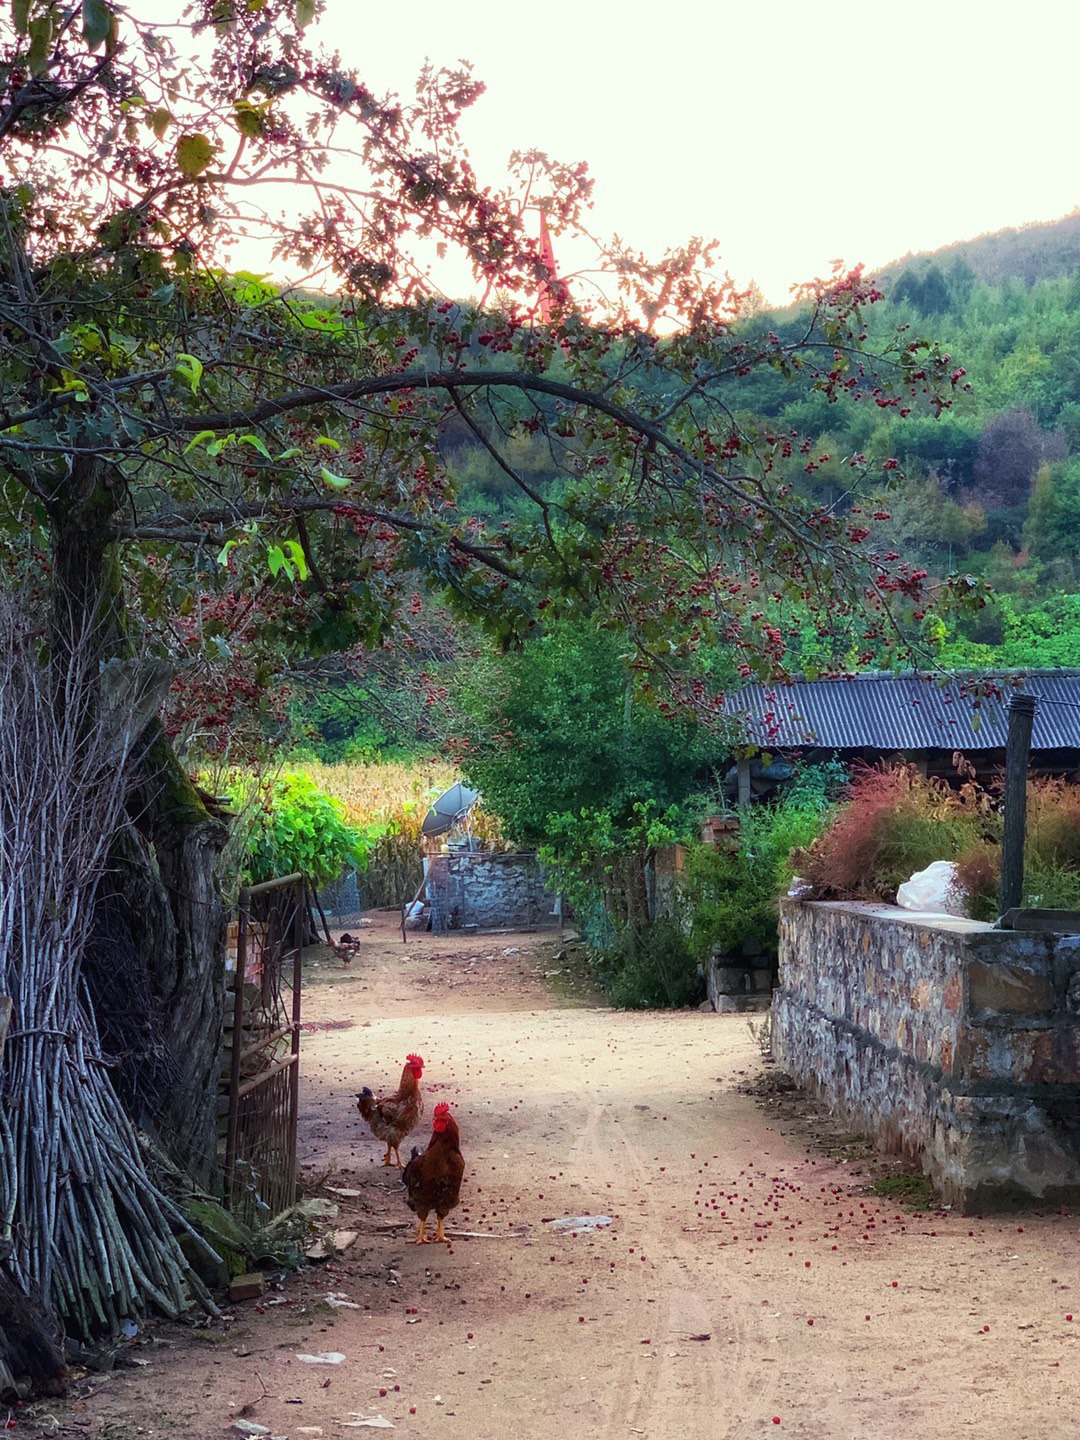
[(158, 948), (183, 951), (31, 1343)]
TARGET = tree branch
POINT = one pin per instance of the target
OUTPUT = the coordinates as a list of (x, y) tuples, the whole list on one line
[(528, 384), (192, 526)]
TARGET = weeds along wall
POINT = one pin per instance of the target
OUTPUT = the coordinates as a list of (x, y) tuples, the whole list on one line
[(945, 1039)]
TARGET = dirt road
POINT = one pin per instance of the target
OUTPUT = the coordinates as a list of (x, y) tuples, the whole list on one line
[(747, 1286)]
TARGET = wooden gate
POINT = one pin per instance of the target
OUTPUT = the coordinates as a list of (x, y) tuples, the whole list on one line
[(260, 1144)]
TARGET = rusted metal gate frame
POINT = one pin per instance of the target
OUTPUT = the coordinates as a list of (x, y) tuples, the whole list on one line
[(283, 1186)]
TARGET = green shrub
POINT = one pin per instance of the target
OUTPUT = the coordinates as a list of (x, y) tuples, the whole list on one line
[(296, 827), (1053, 824), (601, 866), (978, 878), (559, 729), (732, 894), (650, 967)]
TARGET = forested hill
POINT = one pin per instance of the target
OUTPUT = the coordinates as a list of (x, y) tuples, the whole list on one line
[(991, 487), (1040, 251)]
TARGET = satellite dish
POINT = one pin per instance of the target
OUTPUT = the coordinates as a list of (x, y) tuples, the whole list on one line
[(449, 809)]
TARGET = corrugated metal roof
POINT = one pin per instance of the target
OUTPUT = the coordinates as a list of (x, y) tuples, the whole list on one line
[(905, 712)]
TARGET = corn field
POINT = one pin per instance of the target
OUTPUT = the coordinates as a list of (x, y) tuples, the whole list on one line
[(397, 796)]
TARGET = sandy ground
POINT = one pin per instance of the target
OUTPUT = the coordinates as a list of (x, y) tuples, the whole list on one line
[(748, 1286)]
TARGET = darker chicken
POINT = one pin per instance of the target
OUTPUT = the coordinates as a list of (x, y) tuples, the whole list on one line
[(432, 1179)]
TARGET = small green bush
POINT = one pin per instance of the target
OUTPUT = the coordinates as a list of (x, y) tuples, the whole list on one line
[(650, 967), (296, 827), (732, 895), (725, 896)]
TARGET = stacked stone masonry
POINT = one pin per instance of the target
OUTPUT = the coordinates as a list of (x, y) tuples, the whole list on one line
[(948, 1040), (478, 890)]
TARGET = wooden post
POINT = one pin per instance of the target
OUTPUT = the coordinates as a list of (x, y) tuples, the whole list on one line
[(1017, 750)]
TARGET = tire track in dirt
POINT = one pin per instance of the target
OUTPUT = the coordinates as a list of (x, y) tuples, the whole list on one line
[(674, 1375)]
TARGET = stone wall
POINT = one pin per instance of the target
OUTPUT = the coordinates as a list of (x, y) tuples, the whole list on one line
[(948, 1040), (489, 891)]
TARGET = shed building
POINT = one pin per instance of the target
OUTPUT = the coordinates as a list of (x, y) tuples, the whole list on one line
[(913, 717)]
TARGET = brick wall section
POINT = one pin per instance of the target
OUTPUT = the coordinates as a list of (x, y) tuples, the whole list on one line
[(946, 1039), (488, 891)]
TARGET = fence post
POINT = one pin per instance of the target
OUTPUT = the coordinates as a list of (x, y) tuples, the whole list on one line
[(1017, 749)]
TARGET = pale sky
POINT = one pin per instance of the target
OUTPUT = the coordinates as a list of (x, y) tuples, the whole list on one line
[(795, 133)]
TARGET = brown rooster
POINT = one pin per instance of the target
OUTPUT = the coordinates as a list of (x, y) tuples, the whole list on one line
[(392, 1117), (432, 1180)]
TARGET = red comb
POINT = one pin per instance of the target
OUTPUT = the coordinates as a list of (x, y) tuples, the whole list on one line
[(442, 1108), (415, 1059)]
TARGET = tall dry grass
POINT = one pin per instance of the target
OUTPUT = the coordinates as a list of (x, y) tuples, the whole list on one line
[(893, 822), (397, 796)]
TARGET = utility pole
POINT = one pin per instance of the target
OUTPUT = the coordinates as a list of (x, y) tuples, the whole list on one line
[(1017, 750)]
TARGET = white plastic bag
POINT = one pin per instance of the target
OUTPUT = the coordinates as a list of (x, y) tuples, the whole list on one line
[(932, 891)]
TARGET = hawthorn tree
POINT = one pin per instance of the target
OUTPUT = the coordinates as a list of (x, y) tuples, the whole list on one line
[(206, 471)]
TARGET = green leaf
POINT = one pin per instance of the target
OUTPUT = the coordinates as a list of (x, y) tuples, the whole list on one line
[(256, 443), (326, 440), (297, 557), (190, 370), (193, 155), (305, 13), (276, 561), (20, 14), (97, 21), (223, 553), (41, 35), (160, 121), (249, 118), (336, 482), (201, 439), (291, 453)]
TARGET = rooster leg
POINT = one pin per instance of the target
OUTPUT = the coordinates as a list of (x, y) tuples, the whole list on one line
[(439, 1235), (420, 1237), (397, 1158), (386, 1157)]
